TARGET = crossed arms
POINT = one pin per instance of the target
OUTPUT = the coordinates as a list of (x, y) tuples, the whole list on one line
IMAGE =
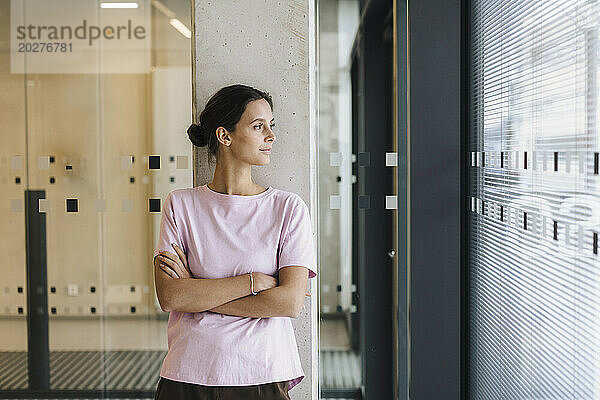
[(231, 296)]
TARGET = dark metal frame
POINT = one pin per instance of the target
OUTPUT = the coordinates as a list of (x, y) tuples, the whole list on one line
[(38, 353), (436, 189), (401, 89), (465, 101), (401, 86)]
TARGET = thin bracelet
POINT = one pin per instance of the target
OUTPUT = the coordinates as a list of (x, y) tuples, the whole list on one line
[(252, 285)]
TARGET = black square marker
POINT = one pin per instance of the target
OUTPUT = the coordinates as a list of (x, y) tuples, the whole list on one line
[(364, 202), (154, 205), (17, 180), (51, 159), (153, 162), (364, 159), (52, 180), (132, 309), (72, 205), (53, 310), (131, 179)]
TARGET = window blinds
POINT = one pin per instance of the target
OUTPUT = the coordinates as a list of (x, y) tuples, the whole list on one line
[(534, 269)]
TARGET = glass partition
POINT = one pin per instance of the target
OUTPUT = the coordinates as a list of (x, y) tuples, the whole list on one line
[(96, 101), (534, 201), (340, 356), (357, 199)]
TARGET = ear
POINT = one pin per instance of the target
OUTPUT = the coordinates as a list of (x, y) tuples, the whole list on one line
[(223, 136)]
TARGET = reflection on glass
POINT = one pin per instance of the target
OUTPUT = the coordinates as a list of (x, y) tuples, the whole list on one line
[(534, 272), (104, 138), (340, 361)]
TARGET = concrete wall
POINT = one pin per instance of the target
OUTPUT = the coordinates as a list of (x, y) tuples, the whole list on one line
[(271, 46)]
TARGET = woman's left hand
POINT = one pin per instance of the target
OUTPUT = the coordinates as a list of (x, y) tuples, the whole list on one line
[(175, 265)]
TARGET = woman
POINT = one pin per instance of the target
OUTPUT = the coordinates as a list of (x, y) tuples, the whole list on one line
[(232, 264)]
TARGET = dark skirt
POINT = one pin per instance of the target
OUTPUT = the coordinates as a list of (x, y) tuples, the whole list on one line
[(172, 390)]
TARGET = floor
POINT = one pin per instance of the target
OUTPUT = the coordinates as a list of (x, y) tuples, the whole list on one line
[(110, 366)]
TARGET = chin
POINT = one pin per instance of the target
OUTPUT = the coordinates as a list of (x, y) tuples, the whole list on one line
[(263, 160)]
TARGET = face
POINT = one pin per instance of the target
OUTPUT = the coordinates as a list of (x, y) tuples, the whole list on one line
[(252, 133)]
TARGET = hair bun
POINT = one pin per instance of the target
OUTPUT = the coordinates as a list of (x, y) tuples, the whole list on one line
[(197, 135)]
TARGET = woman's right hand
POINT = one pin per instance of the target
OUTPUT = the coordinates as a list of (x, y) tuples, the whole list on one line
[(263, 281)]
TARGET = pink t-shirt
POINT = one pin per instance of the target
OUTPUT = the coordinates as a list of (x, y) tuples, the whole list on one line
[(223, 236)]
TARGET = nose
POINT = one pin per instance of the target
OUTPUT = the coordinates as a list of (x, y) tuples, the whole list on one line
[(271, 136)]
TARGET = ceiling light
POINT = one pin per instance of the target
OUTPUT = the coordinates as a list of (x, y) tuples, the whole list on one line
[(118, 5), (177, 24)]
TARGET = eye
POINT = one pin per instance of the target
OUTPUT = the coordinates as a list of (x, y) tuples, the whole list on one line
[(261, 124)]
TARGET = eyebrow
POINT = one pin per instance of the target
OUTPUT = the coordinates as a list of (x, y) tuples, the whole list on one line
[(261, 119)]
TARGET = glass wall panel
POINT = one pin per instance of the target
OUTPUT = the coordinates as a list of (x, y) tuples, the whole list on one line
[(357, 198), (93, 130), (340, 356), (534, 200)]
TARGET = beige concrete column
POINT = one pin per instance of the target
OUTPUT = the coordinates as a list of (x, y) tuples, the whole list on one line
[(270, 45)]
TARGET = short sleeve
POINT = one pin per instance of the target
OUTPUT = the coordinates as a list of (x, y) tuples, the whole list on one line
[(169, 232), (297, 245)]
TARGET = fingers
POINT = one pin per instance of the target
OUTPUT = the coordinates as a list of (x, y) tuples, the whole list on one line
[(184, 268), (181, 254), (169, 255), (178, 262), (166, 260), (171, 264), (168, 270)]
